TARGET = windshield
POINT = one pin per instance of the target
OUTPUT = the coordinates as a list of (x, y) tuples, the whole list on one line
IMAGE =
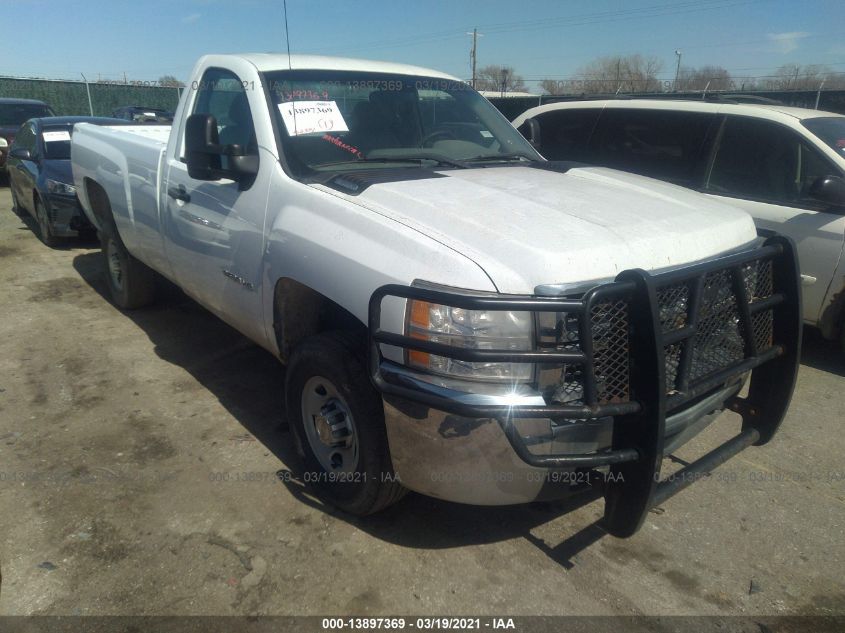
[(57, 142), (334, 120), (15, 114), (831, 130)]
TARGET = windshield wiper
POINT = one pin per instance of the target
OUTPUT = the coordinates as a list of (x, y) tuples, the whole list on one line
[(416, 158), (502, 157)]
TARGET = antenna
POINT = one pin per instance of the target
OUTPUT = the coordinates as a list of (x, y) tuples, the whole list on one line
[(290, 65), (287, 32)]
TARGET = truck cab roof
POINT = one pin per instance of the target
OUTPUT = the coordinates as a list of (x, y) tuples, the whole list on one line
[(266, 62)]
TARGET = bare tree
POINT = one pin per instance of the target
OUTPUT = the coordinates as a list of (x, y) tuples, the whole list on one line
[(491, 78), (812, 77), (170, 81), (632, 73), (556, 87), (704, 78)]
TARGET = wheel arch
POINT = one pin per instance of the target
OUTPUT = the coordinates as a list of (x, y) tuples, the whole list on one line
[(299, 312), (98, 202), (832, 319)]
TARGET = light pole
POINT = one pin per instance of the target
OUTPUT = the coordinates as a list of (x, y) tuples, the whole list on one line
[(504, 80), (677, 69)]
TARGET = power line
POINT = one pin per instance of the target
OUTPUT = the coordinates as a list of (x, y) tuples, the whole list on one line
[(559, 22)]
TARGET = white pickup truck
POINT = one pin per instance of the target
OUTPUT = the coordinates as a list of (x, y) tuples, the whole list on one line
[(457, 315)]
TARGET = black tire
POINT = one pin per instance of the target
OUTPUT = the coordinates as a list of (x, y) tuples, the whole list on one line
[(45, 231), (87, 235), (130, 281), (366, 483)]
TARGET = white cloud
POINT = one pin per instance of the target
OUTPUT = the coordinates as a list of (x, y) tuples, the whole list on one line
[(787, 42), (190, 19)]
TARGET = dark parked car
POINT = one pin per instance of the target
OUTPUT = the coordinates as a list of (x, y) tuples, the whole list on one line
[(13, 112), (141, 114), (41, 179)]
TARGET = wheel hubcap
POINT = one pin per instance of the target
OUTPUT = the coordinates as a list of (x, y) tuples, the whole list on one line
[(115, 264), (329, 426)]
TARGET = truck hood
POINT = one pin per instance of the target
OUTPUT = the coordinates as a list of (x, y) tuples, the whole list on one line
[(529, 227)]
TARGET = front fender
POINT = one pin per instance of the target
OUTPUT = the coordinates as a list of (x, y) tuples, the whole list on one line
[(345, 251)]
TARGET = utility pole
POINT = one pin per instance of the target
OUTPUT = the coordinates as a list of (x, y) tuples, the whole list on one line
[(473, 55), (677, 69), (504, 81)]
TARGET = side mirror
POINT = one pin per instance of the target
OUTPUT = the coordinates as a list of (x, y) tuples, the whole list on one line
[(203, 152), (202, 148), (20, 153), (828, 189)]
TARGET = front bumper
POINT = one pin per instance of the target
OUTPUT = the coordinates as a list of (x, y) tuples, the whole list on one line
[(66, 216), (656, 356)]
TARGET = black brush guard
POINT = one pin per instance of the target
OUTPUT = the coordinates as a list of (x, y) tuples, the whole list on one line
[(685, 333)]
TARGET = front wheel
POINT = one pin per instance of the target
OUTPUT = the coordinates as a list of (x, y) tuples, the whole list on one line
[(131, 282), (338, 419), (45, 230)]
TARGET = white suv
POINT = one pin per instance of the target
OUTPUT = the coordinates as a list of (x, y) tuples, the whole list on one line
[(785, 166)]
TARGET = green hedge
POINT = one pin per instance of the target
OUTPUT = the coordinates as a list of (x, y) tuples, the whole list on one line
[(70, 97)]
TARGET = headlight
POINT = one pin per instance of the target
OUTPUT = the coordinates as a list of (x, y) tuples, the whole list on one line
[(476, 329), (61, 188), (3, 143)]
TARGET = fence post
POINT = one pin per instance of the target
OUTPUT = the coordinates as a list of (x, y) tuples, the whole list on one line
[(88, 90), (819, 93)]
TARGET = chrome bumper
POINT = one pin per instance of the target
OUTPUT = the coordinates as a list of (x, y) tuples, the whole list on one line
[(471, 460)]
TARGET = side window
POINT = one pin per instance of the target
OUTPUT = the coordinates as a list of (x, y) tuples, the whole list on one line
[(564, 134), (25, 138), (761, 160), (662, 144), (222, 95)]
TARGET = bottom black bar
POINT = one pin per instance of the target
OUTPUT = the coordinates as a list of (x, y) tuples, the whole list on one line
[(703, 466), (379, 622)]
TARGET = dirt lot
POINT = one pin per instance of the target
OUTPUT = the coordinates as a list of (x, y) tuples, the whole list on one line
[(122, 436)]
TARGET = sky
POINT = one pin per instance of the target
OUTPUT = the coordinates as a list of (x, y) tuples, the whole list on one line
[(146, 39)]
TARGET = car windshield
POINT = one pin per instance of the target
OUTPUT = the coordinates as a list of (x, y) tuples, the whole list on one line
[(334, 120), (831, 130), (15, 114), (57, 142)]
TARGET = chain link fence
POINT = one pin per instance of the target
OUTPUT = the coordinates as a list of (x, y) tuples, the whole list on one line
[(69, 98)]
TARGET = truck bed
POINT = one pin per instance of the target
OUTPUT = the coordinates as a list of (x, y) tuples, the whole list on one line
[(127, 163)]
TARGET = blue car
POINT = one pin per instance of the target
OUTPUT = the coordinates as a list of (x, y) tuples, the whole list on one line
[(41, 179)]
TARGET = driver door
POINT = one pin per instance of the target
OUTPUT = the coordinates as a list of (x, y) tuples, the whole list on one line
[(214, 229)]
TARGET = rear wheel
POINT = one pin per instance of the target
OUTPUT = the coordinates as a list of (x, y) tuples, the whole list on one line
[(45, 230), (131, 282), (338, 419)]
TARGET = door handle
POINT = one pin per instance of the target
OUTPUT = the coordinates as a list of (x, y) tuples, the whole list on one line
[(179, 193)]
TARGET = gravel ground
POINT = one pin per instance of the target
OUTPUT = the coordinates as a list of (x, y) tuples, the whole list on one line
[(138, 455)]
